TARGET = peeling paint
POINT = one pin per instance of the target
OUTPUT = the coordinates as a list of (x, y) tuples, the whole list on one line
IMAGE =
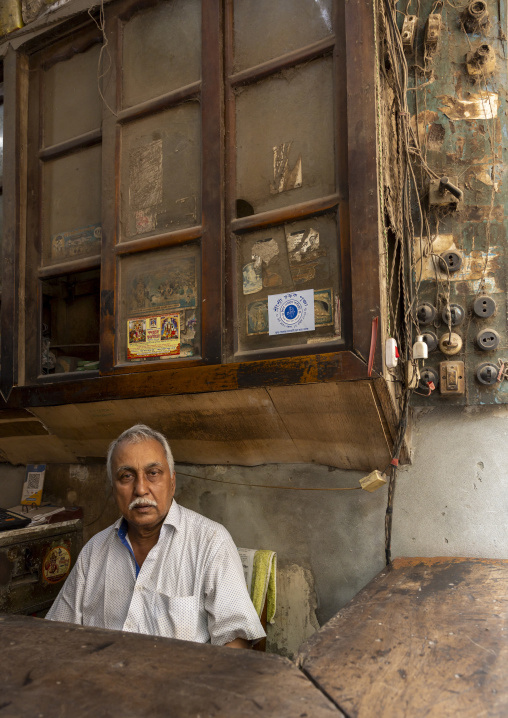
[(476, 266), (486, 178), (425, 118), (480, 106)]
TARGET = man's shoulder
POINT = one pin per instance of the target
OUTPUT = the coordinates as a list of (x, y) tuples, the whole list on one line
[(202, 526), (100, 539)]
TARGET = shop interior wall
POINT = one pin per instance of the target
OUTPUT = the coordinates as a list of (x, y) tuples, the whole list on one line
[(329, 544)]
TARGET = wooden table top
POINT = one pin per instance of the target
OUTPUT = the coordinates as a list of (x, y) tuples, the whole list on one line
[(427, 637), (60, 670)]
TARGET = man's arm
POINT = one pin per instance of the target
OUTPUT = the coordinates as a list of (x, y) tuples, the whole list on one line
[(239, 643), (67, 606), (232, 618)]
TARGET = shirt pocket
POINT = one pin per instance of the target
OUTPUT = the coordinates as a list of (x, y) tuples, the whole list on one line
[(176, 616)]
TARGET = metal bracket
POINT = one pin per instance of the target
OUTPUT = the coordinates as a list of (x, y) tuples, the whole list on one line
[(442, 194)]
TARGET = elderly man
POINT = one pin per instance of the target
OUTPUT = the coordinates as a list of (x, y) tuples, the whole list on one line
[(161, 569)]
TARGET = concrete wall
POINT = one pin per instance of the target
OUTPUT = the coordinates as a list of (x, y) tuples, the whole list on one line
[(453, 500), (329, 543)]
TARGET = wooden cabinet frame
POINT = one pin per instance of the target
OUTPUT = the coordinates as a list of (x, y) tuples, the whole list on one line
[(356, 201)]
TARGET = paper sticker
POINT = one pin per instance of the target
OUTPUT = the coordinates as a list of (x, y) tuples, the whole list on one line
[(145, 176), (76, 243), (257, 317), (257, 312), (252, 277), (153, 336), (168, 286), (291, 312), (323, 307), (284, 177), (265, 249), (33, 485), (56, 564), (145, 221), (304, 252)]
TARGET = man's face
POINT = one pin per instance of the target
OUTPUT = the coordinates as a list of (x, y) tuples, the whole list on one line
[(143, 487)]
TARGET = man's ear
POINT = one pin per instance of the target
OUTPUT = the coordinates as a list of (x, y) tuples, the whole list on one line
[(173, 480)]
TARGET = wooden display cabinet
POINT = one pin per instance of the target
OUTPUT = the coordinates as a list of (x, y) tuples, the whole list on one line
[(212, 156)]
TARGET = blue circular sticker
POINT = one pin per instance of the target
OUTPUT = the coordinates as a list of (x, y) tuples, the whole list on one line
[(291, 311)]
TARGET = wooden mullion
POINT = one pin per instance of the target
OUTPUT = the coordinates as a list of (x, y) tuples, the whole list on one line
[(290, 59), (285, 214), (163, 102), (76, 265), (69, 46), (158, 241), (33, 329), (110, 196), (16, 84), (212, 150), (362, 174), (88, 139), (341, 171), (230, 338)]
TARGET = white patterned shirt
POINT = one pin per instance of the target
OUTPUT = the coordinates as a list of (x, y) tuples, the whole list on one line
[(190, 586)]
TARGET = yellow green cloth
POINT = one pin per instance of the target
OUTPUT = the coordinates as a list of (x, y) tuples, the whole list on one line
[(264, 583)]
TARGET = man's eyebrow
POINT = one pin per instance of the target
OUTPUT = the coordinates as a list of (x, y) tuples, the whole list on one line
[(152, 465), (125, 467)]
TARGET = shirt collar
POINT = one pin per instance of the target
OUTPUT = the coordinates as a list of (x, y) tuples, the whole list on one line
[(173, 518)]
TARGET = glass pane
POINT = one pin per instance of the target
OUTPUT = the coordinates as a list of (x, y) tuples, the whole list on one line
[(70, 107), (71, 202), (265, 29), (298, 256), (285, 138), (160, 303), (161, 172), (70, 323), (161, 50)]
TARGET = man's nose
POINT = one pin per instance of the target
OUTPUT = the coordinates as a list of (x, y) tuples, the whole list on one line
[(141, 485)]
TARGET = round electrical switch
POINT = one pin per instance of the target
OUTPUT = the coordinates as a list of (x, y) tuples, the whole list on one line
[(426, 313), (450, 343), (453, 314), (428, 375), (430, 340), (486, 373), (450, 262), (484, 307), (487, 340)]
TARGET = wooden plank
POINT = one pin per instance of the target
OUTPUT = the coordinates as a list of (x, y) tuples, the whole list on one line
[(334, 424), (336, 366), (425, 637), (22, 428), (88, 671), (331, 424), (226, 427), (212, 249), (110, 193), (13, 197), (362, 163), (39, 449)]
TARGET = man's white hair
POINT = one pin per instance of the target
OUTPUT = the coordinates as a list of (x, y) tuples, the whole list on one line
[(134, 435)]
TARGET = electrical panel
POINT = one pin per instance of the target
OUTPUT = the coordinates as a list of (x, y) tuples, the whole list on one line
[(458, 119)]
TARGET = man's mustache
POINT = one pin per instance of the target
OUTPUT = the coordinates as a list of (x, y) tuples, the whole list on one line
[(142, 502)]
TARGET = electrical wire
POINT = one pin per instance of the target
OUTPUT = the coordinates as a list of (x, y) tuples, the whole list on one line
[(269, 486)]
